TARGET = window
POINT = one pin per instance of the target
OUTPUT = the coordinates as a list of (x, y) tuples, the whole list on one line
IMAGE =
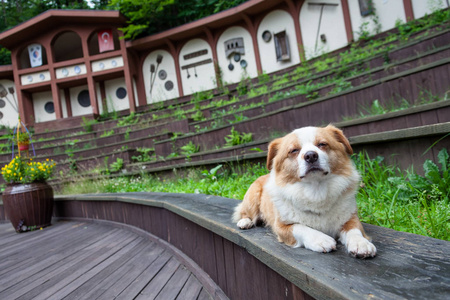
[(282, 46)]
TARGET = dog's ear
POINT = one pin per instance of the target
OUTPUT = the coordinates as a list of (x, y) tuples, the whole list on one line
[(273, 150), (340, 137)]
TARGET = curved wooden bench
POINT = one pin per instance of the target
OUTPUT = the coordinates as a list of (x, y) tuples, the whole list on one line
[(251, 264)]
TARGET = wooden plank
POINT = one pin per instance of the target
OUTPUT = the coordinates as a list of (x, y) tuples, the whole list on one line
[(158, 282), (131, 285), (86, 276), (220, 262), (100, 280), (175, 284), (99, 252), (204, 295), (230, 270), (191, 289)]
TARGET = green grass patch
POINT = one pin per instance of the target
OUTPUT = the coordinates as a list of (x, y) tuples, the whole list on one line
[(387, 197)]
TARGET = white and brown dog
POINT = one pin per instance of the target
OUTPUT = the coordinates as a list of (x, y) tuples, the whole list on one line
[(308, 198)]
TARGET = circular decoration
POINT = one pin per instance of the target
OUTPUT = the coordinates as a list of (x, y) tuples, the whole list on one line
[(77, 70), (65, 72), (121, 93), (162, 75), (49, 107), (42, 76), (230, 67), (237, 57), (83, 98), (1, 115), (267, 36), (30, 78), (101, 65), (168, 85), (244, 63), (2, 103), (114, 63)]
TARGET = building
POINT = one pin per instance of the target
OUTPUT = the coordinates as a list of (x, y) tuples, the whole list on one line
[(67, 64)]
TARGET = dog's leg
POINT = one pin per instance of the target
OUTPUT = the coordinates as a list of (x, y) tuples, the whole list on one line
[(355, 239), (298, 235), (247, 213)]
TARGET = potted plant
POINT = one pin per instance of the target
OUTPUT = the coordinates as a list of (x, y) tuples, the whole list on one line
[(28, 199), (23, 141)]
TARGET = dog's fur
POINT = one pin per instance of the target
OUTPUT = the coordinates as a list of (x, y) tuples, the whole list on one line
[(308, 199)]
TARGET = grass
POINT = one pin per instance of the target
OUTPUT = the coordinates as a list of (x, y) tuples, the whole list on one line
[(387, 197)]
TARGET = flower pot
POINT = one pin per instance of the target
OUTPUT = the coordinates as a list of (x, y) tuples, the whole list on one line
[(28, 206), (23, 147)]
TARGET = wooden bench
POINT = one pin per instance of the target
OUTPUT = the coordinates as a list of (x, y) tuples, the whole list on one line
[(251, 264)]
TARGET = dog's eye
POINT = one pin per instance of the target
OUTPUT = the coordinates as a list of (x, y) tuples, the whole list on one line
[(322, 145), (293, 151)]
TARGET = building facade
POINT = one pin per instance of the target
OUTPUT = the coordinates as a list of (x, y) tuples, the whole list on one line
[(69, 64)]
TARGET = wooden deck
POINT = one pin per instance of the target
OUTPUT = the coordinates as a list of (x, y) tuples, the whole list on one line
[(85, 260)]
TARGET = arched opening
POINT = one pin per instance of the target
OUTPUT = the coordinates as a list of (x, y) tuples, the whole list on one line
[(67, 46), (93, 43), (34, 55)]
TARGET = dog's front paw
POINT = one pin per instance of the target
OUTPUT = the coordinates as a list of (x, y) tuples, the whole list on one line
[(360, 247), (320, 243), (245, 223)]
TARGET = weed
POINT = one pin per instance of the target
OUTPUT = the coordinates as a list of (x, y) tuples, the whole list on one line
[(88, 124), (144, 154), (188, 149), (107, 133), (117, 165), (237, 138)]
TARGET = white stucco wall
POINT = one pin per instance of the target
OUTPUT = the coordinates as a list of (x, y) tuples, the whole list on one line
[(276, 21), (235, 75), (8, 111), (159, 91), (331, 25), (112, 101), (39, 101), (77, 109), (388, 12), (422, 7), (206, 77)]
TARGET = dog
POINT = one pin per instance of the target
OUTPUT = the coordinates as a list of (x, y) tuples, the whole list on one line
[(308, 198)]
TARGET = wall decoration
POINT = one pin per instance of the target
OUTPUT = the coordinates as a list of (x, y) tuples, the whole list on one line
[(35, 54), (4, 94), (41, 76), (2, 103), (121, 93), (77, 69), (49, 107), (267, 36), (114, 63), (237, 57), (83, 98), (168, 85), (195, 54), (235, 45), (193, 65), (1, 115), (230, 66), (243, 63), (162, 75), (30, 78), (105, 40), (65, 72), (154, 70), (101, 65), (365, 7), (282, 46)]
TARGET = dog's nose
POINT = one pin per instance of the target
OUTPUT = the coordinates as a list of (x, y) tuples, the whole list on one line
[(311, 157)]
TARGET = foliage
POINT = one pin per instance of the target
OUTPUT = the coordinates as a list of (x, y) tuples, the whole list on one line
[(117, 165), (152, 16), (237, 138), (22, 137), (128, 120), (107, 133), (25, 170), (88, 124), (189, 148), (144, 154)]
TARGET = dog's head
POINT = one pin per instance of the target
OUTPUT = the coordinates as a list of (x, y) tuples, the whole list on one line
[(310, 153)]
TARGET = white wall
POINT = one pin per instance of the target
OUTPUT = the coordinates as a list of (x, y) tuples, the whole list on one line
[(276, 21), (206, 77), (39, 101), (77, 109), (332, 25), (235, 75), (9, 112), (112, 101), (159, 91), (388, 12), (422, 7)]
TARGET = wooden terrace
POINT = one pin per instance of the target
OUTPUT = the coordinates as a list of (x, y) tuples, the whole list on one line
[(92, 260)]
